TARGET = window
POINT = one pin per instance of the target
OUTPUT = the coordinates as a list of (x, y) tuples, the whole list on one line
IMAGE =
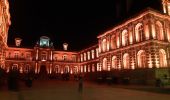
[(105, 64), (66, 69), (88, 55), (93, 68), (22, 55), (139, 30), (56, 69), (162, 58), (124, 38), (97, 52), (43, 56), (98, 67), (92, 54), (89, 68), (85, 68), (74, 58), (114, 62), (64, 57), (126, 63), (81, 56), (104, 45), (113, 42), (141, 59), (16, 55), (159, 30), (84, 56)]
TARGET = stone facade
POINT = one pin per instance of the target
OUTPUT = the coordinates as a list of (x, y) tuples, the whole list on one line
[(136, 49)]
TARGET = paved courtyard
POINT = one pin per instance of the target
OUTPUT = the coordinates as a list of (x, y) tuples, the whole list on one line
[(57, 90)]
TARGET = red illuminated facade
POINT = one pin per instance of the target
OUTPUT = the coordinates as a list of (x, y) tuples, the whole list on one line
[(138, 49)]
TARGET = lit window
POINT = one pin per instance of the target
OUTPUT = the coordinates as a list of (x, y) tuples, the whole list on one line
[(113, 42), (162, 58), (141, 59), (104, 45), (89, 68), (92, 54), (93, 68), (81, 56), (105, 64), (139, 30), (97, 52), (84, 56), (85, 68), (114, 62), (126, 60), (88, 55), (159, 30), (124, 38)]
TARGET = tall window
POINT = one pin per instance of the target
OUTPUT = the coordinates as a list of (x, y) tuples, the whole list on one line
[(114, 62), (113, 42), (85, 68), (84, 56), (16, 55), (93, 68), (162, 58), (124, 37), (81, 56), (139, 30), (89, 68), (66, 69), (141, 59), (57, 69), (92, 54), (105, 64), (88, 55), (159, 30), (97, 52), (126, 63), (104, 45)]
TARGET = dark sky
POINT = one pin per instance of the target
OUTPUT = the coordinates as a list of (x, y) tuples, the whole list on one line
[(76, 22)]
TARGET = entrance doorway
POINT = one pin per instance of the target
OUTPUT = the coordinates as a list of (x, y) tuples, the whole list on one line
[(43, 72)]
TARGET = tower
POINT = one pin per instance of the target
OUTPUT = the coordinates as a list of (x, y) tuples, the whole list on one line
[(166, 6)]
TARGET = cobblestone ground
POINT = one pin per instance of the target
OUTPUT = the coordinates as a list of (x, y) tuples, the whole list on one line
[(57, 90)]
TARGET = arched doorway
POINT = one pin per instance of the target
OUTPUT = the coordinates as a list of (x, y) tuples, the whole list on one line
[(43, 72)]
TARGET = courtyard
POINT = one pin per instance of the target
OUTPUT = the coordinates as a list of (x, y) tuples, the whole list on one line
[(68, 90)]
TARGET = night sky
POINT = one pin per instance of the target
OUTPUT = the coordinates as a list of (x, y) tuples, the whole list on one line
[(76, 22)]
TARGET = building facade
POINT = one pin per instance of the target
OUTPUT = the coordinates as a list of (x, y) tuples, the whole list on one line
[(136, 49)]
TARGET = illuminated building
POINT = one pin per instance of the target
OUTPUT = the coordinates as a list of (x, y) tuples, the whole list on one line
[(137, 49)]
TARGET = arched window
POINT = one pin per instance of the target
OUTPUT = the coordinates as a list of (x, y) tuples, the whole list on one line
[(159, 30), (162, 58), (124, 37), (139, 30), (66, 69), (126, 63), (114, 62), (105, 64), (113, 42), (104, 45), (56, 69), (141, 59)]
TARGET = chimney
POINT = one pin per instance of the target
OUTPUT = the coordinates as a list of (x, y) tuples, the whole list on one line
[(65, 46), (18, 42)]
